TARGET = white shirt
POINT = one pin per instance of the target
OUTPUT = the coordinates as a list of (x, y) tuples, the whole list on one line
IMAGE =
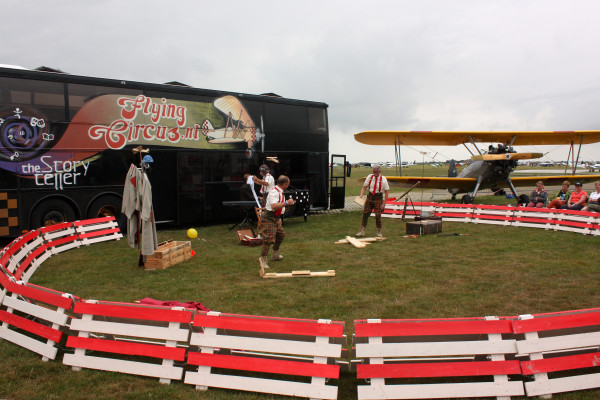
[(594, 197), (270, 184), (376, 185), (275, 196)]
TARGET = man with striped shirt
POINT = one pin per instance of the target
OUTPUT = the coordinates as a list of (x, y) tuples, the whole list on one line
[(378, 190)]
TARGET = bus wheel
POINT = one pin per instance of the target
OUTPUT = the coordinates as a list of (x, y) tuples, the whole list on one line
[(52, 212), (108, 206)]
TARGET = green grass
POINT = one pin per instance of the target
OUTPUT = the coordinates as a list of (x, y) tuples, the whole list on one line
[(493, 270)]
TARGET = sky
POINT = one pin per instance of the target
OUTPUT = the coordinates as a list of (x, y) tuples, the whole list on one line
[(474, 65)]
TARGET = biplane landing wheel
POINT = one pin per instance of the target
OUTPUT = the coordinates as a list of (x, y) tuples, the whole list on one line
[(466, 199)]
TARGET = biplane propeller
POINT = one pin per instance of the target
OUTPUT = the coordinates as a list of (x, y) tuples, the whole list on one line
[(488, 169)]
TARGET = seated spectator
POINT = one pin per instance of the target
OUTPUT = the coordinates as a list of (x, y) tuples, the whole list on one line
[(577, 199), (594, 204), (562, 197), (539, 196)]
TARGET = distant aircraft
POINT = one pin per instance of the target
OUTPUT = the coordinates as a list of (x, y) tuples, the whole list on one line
[(489, 169)]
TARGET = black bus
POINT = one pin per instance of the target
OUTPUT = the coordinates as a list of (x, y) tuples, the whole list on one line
[(67, 142)]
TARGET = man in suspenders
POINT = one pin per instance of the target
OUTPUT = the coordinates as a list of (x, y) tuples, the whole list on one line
[(271, 229), (268, 182), (378, 191)]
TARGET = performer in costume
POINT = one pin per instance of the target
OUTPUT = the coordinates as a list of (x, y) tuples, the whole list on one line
[(378, 192), (269, 182), (271, 229)]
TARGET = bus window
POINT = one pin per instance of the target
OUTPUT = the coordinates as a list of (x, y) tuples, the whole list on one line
[(47, 98), (317, 118), (285, 118), (79, 94)]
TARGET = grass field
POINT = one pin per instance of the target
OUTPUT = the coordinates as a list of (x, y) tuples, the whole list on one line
[(491, 271)]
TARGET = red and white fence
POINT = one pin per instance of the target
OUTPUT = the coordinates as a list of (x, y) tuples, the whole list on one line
[(471, 357), (141, 340), (277, 347), (566, 344), (584, 222), (397, 352)]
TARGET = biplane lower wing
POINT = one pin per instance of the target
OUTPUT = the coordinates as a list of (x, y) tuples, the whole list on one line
[(467, 184)]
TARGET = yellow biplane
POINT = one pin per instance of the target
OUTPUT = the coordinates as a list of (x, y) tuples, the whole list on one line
[(490, 168)]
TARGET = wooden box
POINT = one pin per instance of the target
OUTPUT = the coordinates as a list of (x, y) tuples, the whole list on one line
[(247, 238), (424, 227), (168, 254)]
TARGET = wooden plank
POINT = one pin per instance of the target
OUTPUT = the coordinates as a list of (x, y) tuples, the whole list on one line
[(127, 367), (270, 325), (354, 242), (272, 386), (438, 369), (561, 385), (545, 365), (130, 311), (557, 322), (34, 310), (129, 348), (441, 390), (30, 326), (264, 365), (134, 330), (434, 349), (552, 343), (268, 345), (299, 274), (42, 348), (425, 327)]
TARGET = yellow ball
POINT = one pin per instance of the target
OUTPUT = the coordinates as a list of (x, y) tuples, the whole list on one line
[(192, 234)]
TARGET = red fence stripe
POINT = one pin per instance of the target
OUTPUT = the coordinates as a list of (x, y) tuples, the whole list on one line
[(93, 221), (427, 370), (419, 328), (133, 312), (255, 324), (56, 227), (36, 293), (61, 241), (30, 326), (556, 322), (99, 233), (27, 261), (127, 348), (560, 363), (491, 216), (452, 215), (266, 365)]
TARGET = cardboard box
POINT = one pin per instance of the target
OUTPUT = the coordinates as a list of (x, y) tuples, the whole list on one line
[(247, 238), (168, 254)]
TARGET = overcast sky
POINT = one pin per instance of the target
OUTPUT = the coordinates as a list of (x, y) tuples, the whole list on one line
[(380, 65)]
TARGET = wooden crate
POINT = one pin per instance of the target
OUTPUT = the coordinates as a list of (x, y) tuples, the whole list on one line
[(423, 227), (168, 254)]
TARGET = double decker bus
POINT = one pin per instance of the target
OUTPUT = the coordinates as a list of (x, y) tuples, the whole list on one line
[(66, 144)]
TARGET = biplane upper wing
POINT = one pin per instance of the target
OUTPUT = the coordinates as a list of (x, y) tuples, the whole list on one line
[(469, 183), (446, 138)]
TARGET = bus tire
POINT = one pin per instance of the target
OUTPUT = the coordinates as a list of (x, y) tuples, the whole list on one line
[(108, 206), (51, 212)]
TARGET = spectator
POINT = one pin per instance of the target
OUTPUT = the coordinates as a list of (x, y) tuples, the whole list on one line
[(594, 204), (577, 199), (539, 196), (562, 197)]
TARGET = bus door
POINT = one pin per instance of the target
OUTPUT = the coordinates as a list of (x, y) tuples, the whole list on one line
[(190, 188), (337, 183)]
